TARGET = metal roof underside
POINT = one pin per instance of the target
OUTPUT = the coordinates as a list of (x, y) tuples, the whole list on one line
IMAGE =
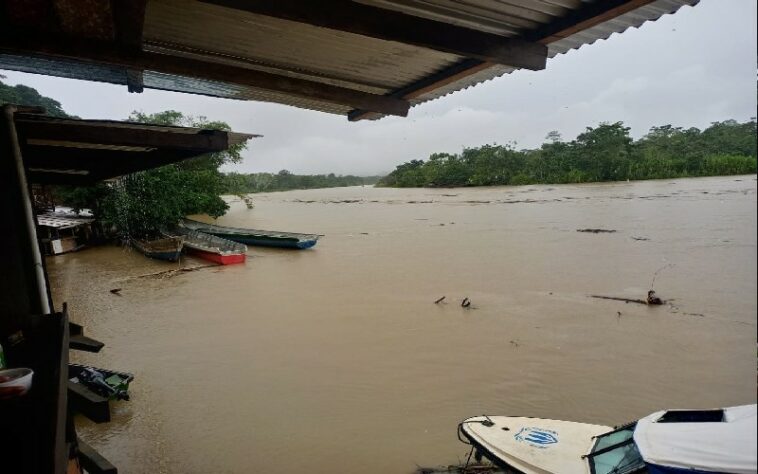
[(82, 152), (230, 36)]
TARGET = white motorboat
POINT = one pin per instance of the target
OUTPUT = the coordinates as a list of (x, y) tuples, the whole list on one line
[(665, 442)]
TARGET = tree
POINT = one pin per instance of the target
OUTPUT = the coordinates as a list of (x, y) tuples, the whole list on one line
[(554, 136), (142, 203), (25, 95)]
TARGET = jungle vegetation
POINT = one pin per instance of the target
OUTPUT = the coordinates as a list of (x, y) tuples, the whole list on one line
[(240, 183), (603, 153)]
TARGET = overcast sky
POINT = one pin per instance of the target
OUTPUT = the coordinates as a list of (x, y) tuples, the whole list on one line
[(687, 69)]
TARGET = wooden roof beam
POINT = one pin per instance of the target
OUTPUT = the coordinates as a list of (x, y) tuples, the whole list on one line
[(380, 23), (106, 53), (129, 21), (70, 132), (590, 15)]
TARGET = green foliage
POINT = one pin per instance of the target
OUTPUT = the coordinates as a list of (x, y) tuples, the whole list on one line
[(239, 183), (142, 203), (604, 153), (25, 95)]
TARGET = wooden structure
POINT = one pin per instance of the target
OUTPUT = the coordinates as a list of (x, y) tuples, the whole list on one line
[(61, 234), (362, 59), (38, 427)]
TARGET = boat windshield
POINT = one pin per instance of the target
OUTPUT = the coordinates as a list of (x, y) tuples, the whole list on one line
[(615, 453)]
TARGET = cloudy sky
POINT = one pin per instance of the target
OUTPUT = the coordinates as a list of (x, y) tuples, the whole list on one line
[(687, 69)]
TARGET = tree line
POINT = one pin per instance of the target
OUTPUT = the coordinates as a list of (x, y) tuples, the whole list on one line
[(241, 183), (603, 153)]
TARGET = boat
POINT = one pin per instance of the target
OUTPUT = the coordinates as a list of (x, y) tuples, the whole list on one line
[(168, 248), (265, 238), (212, 248), (106, 383), (665, 442)]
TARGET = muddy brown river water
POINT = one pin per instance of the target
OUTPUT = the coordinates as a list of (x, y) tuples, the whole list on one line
[(336, 359)]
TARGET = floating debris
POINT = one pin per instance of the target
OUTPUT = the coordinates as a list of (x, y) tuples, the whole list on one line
[(652, 298), (116, 291), (640, 238), (597, 231), (438, 301), (474, 468), (466, 302), (615, 298)]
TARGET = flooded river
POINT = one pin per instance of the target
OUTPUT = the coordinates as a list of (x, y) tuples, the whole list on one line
[(336, 359)]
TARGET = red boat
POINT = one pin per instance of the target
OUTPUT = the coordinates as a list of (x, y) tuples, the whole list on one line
[(212, 248)]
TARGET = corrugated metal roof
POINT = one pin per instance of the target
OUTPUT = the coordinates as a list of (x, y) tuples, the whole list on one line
[(57, 221), (318, 54), (603, 31), (217, 34)]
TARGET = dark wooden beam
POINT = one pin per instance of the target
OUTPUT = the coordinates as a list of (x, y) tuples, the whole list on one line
[(106, 53), (129, 21), (380, 23), (84, 343), (451, 74), (94, 462), (135, 81), (88, 403), (586, 17), (48, 132), (579, 20)]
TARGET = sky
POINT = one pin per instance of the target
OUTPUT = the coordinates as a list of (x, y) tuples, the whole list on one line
[(688, 69)]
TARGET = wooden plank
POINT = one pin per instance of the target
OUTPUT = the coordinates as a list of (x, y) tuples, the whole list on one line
[(94, 462), (590, 15), (122, 134), (88, 403), (428, 84), (135, 81), (75, 329), (384, 24), (106, 53), (84, 343), (579, 20), (129, 20)]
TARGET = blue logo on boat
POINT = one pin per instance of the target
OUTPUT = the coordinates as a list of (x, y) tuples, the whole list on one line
[(537, 437)]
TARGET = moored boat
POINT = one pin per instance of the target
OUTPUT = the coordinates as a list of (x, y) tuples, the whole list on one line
[(212, 248), (108, 383), (665, 442), (265, 238), (168, 248)]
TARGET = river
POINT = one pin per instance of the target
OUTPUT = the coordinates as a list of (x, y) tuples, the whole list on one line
[(337, 359)]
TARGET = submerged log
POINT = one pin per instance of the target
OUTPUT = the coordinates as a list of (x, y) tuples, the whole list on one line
[(170, 273), (597, 231), (615, 298)]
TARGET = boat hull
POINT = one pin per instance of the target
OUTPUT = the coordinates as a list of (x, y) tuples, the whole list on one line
[(221, 259), (533, 445), (166, 256), (267, 241), (168, 249), (260, 238)]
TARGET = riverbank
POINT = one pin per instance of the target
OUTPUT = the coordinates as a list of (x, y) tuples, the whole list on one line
[(338, 356)]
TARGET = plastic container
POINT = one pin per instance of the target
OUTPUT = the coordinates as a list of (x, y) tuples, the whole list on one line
[(21, 377)]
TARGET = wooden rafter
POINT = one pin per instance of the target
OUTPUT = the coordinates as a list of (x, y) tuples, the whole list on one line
[(107, 53), (129, 21), (366, 20), (579, 20)]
